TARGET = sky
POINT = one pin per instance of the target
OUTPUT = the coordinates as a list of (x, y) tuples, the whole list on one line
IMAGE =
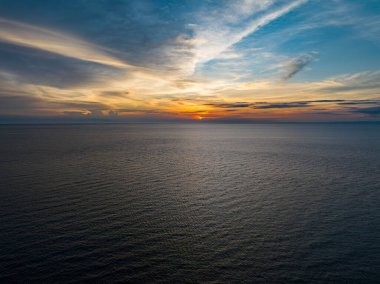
[(173, 60)]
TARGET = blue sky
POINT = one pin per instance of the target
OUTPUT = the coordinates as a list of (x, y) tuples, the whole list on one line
[(152, 60)]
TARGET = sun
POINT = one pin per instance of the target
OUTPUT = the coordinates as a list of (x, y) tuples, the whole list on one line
[(197, 117)]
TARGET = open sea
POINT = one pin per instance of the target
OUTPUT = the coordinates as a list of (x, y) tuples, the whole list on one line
[(190, 203)]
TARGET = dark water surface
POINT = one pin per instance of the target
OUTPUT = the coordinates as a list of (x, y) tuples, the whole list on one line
[(190, 203)]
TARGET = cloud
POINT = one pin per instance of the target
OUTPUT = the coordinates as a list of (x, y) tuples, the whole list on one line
[(368, 81), (259, 105), (282, 105), (85, 105), (296, 65), (359, 102), (15, 104), (115, 94), (29, 104), (327, 101), (39, 67), (55, 42), (215, 33), (293, 104), (231, 105), (371, 111)]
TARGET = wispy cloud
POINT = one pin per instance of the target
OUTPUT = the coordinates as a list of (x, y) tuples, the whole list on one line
[(214, 34), (55, 42), (282, 105)]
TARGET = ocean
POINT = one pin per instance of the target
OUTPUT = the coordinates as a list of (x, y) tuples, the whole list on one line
[(190, 203)]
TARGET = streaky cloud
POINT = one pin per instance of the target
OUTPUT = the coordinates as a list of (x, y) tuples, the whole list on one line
[(55, 42), (283, 105), (371, 111), (208, 42)]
